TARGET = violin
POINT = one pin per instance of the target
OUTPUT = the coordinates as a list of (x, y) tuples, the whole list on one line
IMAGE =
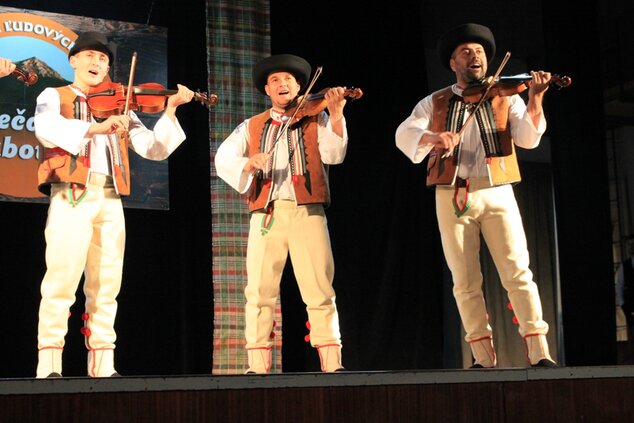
[(29, 78), (109, 98), (506, 86), (314, 104)]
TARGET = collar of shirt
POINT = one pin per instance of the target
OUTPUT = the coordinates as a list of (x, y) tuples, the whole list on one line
[(278, 116), (456, 90), (78, 91)]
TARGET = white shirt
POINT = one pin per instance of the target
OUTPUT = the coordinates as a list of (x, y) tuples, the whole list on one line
[(233, 155), (54, 130), (472, 161)]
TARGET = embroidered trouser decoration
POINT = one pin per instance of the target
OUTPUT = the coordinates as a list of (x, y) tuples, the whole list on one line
[(100, 360), (536, 348), (49, 361), (483, 352), (461, 206), (330, 357), (259, 360), (76, 193), (267, 221)]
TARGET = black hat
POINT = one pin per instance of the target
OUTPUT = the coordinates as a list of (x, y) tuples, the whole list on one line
[(92, 41), (465, 33), (294, 65)]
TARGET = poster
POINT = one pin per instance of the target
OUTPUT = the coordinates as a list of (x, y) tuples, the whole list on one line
[(38, 43)]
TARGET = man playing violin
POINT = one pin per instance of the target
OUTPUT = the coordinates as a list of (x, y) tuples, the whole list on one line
[(283, 171), (85, 170), (6, 67), (472, 169)]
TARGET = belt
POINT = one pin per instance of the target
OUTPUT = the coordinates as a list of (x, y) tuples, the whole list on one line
[(101, 180), (472, 184)]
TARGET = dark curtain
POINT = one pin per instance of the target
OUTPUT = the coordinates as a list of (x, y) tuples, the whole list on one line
[(580, 175), (535, 199)]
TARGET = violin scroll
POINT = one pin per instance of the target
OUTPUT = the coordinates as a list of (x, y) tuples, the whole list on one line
[(28, 77), (353, 94), (561, 81), (208, 100)]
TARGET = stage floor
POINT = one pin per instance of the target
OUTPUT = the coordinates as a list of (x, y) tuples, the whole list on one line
[(567, 394), (75, 385)]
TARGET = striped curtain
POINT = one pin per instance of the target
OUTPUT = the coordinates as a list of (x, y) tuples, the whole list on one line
[(238, 36)]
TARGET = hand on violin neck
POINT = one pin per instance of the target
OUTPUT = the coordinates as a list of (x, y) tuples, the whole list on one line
[(335, 102), (183, 96), (539, 83), (113, 124), (6, 67)]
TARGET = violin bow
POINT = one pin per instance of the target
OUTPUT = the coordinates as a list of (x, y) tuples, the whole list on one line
[(507, 56), (126, 109), (130, 84)]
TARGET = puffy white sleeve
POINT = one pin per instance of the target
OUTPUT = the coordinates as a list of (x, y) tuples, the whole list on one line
[(410, 131), (54, 130), (523, 131), (332, 147), (232, 156), (156, 144)]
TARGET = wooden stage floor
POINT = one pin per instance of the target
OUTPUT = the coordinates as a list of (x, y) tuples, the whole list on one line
[(567, 394)]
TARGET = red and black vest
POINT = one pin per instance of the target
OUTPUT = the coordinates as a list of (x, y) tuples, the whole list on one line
[(58, 165), (492, 119), (311, 187)]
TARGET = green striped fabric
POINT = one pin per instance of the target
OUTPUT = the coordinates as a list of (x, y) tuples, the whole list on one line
[(238, 36)]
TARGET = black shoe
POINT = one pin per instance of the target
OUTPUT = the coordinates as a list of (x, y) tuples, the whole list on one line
[(480, 366), (115, 374), (341, 369), (54, 375), (544, 362)]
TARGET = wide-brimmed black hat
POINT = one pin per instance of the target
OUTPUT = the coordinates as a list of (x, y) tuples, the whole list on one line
[(465, 33), (292, 64), (93, 41)]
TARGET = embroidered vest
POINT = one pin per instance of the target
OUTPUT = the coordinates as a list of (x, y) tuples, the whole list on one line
[(58, 165), (492, 119), (311, 187)]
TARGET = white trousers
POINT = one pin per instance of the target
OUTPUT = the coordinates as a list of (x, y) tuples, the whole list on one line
[(87, 238), (301, 231), (493, 212)]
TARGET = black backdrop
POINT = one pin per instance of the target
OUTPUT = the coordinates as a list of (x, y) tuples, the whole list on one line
[(389, 278)]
